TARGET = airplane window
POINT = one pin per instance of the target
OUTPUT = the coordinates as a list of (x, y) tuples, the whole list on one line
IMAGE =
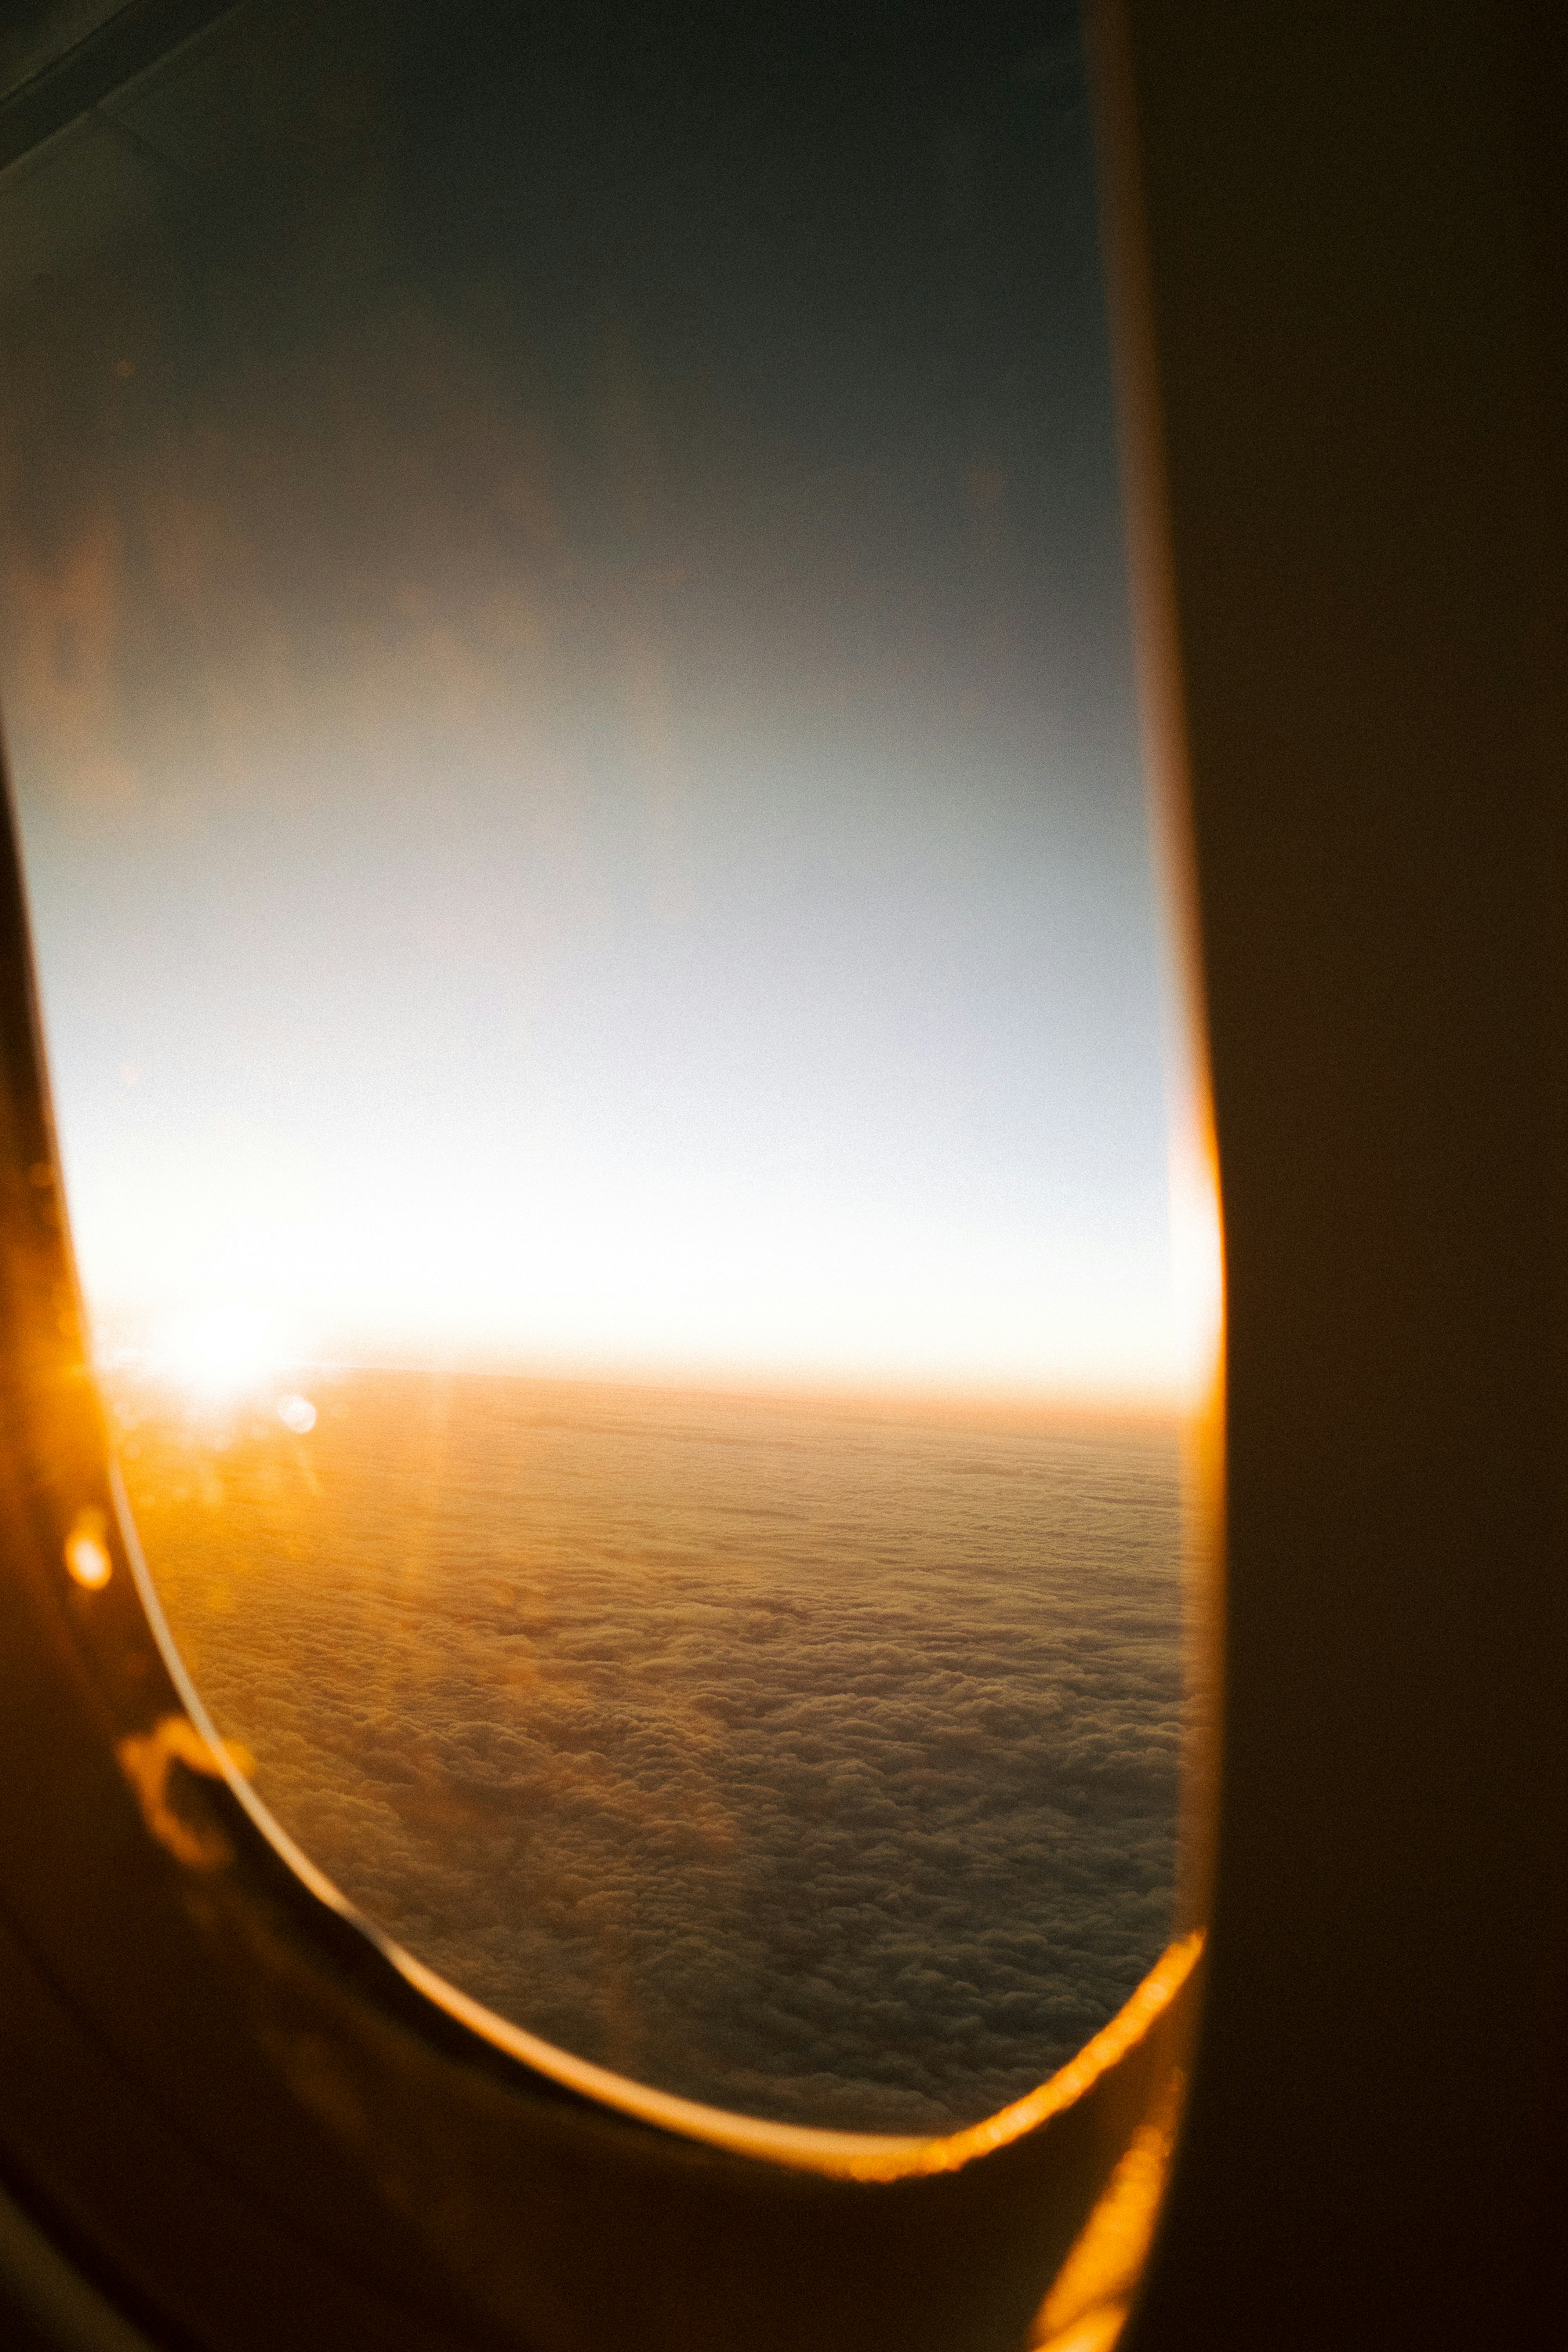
[(565, 655)]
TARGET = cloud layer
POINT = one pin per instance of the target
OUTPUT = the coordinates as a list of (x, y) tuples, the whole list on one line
[(808, 1761)]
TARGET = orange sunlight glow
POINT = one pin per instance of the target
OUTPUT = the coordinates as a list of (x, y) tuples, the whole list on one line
[(551, 1274), (219, 1352), (87, 1555), (1197, 1255)]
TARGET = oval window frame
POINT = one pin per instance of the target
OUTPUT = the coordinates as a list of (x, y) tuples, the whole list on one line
[(297, 2130)]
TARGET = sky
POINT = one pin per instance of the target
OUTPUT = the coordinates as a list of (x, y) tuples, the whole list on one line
[(565, 660)]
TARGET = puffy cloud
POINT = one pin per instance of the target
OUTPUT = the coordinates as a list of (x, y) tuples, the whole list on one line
[(808, 1761)]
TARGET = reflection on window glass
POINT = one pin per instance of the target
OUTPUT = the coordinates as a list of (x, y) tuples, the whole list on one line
[(565, 655)]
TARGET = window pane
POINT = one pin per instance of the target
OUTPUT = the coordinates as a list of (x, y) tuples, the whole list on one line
[(565, 658)]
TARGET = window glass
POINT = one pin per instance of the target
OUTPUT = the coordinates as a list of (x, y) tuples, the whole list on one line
[(564, 654)]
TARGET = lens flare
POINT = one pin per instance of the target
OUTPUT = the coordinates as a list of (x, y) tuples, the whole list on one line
[(86, 1553)]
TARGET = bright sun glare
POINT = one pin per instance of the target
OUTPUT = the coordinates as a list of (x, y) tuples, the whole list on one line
[(219, 1352)]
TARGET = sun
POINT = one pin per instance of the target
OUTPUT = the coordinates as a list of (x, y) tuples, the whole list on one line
[(219, 1352)]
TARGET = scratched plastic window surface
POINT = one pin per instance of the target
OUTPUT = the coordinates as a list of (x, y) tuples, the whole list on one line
[(565, 657)]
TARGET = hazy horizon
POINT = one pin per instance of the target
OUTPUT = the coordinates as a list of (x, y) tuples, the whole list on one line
[(234, 1378)]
